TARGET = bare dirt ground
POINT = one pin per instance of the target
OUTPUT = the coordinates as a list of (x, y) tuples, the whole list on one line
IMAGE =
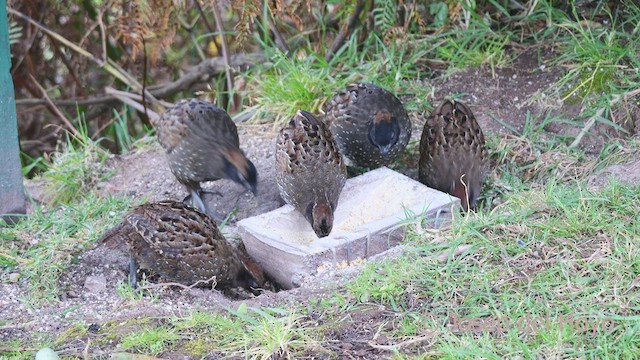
[(90, 296)]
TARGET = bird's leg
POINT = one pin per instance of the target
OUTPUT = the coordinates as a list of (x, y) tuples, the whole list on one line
[(436, 220), (196, 200), (133, 269)]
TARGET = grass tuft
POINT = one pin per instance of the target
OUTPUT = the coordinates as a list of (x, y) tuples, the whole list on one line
[(40, 248), (73, 171)]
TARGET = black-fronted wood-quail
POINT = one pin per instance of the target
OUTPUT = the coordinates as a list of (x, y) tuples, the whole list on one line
[(310, 172), (453, 152), (369, 123), (184, 245), (202, 144)]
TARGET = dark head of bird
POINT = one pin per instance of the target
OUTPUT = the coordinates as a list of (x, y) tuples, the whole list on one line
[(251, 276), (241, 170), (320, 215), (384, 131)]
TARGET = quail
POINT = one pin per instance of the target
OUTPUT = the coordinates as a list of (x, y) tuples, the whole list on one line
[(184, 245), (310, 172), (453, 152), (369, 123), (202, 144)]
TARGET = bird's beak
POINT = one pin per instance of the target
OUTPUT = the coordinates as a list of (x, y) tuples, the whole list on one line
[(384, 150)]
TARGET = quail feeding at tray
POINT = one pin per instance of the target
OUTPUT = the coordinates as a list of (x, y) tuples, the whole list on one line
[(184, 245), (310, 172), (452, 151), (202, 144), (369, 123)]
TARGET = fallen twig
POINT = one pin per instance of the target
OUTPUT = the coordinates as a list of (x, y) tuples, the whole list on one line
[(55, 109), (125, 98), (281, 43), (17, 349), (346, 31), (592, 120), (200, 73), (411, 341), (587, 127), (444, 256), (152, 286)]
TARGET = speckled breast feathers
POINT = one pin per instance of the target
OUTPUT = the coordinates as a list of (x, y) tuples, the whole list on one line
[(452, 146), (309, 168)]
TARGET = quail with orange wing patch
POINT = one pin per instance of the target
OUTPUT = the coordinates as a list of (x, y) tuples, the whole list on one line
[(369, 123), (310, 172), (184, 245), (202, 144), (453, 156)]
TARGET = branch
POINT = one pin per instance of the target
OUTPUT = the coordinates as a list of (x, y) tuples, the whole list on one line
[(211, 280), (109, 65), (396, 347), (346, 31), (55, 109), (225, 53), (202, 72), (126, 98), (281, 43)]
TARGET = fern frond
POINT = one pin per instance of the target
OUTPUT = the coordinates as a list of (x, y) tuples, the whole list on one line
[(384, 15)]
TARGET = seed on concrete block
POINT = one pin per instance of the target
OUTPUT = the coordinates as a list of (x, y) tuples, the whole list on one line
[(366, 222)]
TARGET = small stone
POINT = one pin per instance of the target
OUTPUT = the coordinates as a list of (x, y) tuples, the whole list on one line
[(95, 284), (46, 354), (93, 328), (382, 339)]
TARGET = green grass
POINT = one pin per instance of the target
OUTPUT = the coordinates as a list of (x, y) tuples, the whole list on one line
[(559, 253), (151, 340), (43, 246), (307, 83), (75, 169), (291, 85), (254, 333)]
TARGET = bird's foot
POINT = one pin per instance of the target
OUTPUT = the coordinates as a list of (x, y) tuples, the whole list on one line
[(133, 270)]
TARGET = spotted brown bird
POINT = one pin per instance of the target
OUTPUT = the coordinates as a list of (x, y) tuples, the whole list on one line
[(310, 172), (370, 124), (184, 245), (202, 144), (453, 152)]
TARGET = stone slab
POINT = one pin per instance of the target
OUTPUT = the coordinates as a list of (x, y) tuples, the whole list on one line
[(367, 221)]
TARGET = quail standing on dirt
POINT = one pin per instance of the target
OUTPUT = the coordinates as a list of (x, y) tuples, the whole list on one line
[(453, 156), (310, 172), (184, 245), (369, 123), (202, 144)]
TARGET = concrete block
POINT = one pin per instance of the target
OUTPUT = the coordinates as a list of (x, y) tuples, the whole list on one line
[(366, 221)]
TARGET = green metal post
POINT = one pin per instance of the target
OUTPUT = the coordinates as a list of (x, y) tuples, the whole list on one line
[(12, 200)]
